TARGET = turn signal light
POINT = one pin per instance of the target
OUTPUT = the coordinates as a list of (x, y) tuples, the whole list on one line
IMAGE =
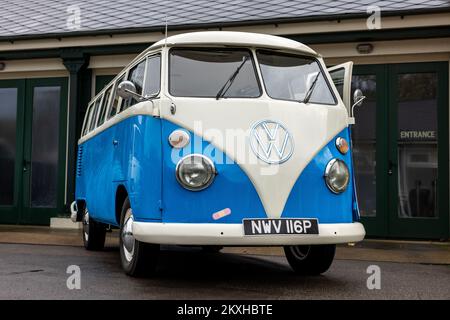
[(342, 145)]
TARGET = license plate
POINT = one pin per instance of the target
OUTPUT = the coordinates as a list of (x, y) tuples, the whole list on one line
[(255, 227)]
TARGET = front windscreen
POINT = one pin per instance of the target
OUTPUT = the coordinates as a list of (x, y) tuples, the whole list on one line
[(218, 73), (294, 77)]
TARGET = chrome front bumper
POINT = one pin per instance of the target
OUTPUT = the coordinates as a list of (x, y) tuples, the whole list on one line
[(233, 234)]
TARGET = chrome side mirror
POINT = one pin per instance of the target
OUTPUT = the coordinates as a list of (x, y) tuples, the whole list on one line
[(358, 99), (127, 89)]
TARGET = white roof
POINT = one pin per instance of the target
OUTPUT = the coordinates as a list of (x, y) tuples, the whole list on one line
[(233, 38)]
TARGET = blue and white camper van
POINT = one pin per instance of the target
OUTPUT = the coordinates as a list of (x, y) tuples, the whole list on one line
[(219, 139)]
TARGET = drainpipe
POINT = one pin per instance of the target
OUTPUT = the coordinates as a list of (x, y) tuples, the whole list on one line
[(76, 62)]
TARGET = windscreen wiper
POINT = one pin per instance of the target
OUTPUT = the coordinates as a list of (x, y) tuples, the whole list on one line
[(230, 80), (311, 89)]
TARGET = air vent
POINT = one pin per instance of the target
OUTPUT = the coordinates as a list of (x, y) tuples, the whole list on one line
[(79, 161)]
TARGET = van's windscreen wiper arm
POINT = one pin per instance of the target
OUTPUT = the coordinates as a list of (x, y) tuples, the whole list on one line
[(230, 80), (311, 88)]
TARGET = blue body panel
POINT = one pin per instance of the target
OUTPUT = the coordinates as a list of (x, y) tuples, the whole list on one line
[(143, 162), (311, 198), (231, 188), (135, 163)]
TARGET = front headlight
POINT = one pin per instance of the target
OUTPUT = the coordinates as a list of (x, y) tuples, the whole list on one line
[(195, 172), (337, 176)]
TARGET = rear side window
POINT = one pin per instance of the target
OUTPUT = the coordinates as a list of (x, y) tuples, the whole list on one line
[(213, 72), (95, 110), (86, 120), (104, 106)]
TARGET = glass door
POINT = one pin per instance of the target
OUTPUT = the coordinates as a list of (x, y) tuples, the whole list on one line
[(12, 93), (418, 153), (32, 149), (400, 149), (369, 141), (44, 150)]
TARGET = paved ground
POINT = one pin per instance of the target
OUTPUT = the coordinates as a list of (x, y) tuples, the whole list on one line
[(425, 252), (39, 272)]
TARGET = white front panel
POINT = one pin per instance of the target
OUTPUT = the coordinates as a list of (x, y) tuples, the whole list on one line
[(227, 123)]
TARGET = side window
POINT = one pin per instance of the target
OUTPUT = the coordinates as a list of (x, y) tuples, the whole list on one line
[(117, 101), (338, 79), (86, 120), (136, 75), (153, 77), (342, 79), (95, 109), (104, 106)]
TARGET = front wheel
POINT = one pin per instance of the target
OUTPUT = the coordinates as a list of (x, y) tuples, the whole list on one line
[(137, 258), (310, 260)]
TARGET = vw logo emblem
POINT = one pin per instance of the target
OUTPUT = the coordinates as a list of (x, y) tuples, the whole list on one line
[(271, 142)]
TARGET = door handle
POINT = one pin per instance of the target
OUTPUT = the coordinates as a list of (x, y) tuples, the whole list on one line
[(115, 143), (392, 165), (25, 165)]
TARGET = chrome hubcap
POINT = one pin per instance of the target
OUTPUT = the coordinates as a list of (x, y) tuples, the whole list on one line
[(127, 236), (300, 252), (86, 225)]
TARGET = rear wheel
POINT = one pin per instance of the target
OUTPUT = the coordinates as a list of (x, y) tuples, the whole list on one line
[(137, 258), (310, 260), (94, 233)]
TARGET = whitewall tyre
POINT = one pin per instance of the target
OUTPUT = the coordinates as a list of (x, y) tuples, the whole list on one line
[(94, 233), (310, 260), (137, 258)]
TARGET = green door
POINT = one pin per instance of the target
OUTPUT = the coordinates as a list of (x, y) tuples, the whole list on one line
[(401, 150), (418, 150), (12, 103), (32, 139)]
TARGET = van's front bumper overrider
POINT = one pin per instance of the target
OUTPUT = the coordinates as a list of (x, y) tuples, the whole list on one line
[(233, 234), (74, 215)]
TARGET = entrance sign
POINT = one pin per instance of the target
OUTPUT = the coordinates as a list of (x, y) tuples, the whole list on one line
[(418, 135)]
